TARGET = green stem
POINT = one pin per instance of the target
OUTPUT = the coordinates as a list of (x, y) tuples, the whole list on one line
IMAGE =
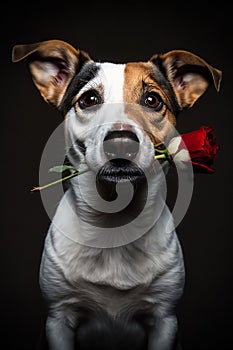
[(161, 150), (61, 180), (164, 154), (160, 156)]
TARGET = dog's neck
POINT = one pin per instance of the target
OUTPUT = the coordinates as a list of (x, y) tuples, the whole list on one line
[(108, 204)]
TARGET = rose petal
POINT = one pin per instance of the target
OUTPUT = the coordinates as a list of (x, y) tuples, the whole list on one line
[(182, 156), (203, 148), (195, 140), (174, 144), (202, 168)]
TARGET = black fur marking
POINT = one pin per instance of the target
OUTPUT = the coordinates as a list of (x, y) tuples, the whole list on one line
[(162, 79), (87, 73)]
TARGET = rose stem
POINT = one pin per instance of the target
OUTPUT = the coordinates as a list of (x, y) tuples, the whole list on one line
[(60, 180)]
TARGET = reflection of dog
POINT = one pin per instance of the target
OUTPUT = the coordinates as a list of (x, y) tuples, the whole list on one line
[(121, 292)]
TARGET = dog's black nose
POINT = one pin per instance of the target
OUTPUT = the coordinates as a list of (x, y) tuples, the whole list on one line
[(121, 145)]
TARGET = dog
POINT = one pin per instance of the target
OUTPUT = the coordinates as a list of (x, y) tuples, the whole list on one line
[(112, 277)]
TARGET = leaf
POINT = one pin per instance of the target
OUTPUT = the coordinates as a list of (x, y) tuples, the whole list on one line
[(61, 168)]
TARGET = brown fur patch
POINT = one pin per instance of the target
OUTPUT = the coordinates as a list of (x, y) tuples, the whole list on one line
[(140, 77), (52, 63), (189, 75)]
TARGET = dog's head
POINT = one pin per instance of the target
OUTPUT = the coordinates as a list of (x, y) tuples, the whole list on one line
[(116, 113)]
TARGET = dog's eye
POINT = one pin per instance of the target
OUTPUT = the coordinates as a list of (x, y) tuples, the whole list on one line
[(88, 99), (152, 100)]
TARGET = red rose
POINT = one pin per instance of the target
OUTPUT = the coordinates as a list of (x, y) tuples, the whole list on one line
[(202, 149)]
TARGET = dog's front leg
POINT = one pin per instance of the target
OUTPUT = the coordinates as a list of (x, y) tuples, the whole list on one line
[(59, 333), (162, 335)]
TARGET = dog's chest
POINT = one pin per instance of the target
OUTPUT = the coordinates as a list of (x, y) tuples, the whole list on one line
[(121, 267), (113, 278)]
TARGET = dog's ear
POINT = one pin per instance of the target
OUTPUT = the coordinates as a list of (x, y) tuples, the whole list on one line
[(188, 74), (52, 63)]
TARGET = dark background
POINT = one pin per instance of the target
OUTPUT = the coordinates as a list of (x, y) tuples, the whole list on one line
[(115, 32)]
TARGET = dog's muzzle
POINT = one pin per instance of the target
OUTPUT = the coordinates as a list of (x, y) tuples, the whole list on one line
[(121, 148), (122, 145)]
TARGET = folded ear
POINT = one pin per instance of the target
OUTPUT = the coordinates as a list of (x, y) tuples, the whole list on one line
[(52, 63), (188, 74)]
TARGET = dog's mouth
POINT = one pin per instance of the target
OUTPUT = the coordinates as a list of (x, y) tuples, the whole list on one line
[(121, 149), (120, 170)]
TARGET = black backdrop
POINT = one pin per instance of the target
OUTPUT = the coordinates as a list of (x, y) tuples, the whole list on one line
[(117, 32)]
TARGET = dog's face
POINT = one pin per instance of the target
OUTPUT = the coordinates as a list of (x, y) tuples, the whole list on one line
[(116, 113)]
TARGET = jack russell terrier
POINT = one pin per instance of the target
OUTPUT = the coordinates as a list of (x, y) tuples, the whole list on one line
[(112, 277)]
